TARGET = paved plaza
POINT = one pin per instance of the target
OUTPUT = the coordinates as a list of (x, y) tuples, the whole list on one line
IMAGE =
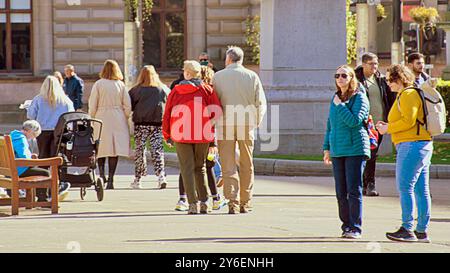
[(292, 214)]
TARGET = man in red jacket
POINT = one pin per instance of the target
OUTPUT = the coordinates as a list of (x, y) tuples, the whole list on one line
[(188, 121)]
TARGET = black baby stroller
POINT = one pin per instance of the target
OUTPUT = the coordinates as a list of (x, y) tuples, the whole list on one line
[(74, 134)]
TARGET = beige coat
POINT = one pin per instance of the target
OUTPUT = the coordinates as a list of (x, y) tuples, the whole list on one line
[(110, 103), (240, 91)]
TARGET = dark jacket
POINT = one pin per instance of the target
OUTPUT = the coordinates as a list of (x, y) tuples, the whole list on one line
[(74, 88), (387, 95), (147, 104), (177, 81)]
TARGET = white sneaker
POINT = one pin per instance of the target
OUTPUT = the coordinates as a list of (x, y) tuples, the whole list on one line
[(136, 185), (222, 202), (182, 206), (162, 183)]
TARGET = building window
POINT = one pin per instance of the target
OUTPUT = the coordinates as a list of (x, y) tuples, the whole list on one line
[(15, 35), (164, 35)]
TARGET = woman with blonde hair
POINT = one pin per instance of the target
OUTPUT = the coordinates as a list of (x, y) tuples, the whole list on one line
[(148, 100), (110, 103), (192, 133), (346, 146), (59, 76), (46, 108), (406, 124)]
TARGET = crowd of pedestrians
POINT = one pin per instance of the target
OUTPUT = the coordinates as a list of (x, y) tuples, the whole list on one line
[(214, 144)]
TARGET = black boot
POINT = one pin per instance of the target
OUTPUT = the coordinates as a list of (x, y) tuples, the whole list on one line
[(110, 185), (371, 191), (101, 169)]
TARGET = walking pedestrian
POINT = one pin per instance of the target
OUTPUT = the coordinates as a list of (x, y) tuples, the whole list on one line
[(414, 151), (73, 86), (46, 108), (346, 146), (381, 99), (213, 167), (190, 111), (148, 100), (110, 102), (238, 88)]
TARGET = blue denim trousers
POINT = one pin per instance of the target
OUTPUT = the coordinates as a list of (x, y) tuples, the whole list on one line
[(348, 175), (412, 176)]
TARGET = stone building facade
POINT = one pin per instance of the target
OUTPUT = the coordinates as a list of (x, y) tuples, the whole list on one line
[(85, 33), (41, 36)]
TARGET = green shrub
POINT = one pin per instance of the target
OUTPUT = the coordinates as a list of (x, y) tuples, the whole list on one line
[(444, 88)]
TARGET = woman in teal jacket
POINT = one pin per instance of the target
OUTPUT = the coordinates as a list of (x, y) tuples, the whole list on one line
[(347, 147)]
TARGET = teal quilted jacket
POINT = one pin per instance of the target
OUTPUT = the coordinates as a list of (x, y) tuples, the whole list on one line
[(346, 133)]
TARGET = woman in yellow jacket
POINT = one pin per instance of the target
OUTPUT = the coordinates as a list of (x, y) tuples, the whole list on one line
[(414, 151)]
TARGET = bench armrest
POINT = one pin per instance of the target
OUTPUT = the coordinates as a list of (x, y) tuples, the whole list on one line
[(54, 161)]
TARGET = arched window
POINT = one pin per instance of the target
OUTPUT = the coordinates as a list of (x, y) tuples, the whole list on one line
[(165, 35), (15, 35)]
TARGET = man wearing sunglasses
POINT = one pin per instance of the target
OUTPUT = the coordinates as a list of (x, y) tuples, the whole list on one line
[(381, 99), (203, 59)]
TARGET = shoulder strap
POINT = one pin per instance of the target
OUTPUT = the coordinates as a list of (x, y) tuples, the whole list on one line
[(424, 107)]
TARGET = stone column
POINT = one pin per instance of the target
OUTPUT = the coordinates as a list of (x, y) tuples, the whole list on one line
[(362, 30), (302, 44), (372, 29), (196, 28), (42, 37)]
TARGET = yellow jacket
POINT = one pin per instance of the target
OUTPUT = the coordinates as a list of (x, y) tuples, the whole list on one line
[(403, 122)]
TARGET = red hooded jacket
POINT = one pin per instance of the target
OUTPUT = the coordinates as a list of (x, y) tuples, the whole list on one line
[(190, 111)]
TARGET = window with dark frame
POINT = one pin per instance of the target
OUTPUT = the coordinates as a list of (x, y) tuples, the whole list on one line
[(15, 35), (165, 35)]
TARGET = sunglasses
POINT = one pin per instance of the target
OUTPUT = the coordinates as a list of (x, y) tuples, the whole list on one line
[(343, 75), (391, 80)]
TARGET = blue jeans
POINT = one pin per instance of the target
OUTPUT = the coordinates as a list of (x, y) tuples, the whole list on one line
[(348, 175), (412, 176)]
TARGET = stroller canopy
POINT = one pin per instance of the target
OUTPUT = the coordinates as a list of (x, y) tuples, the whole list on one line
[(66, 118)]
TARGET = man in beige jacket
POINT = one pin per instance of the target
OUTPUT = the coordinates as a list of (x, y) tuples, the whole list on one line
[(244, 104)]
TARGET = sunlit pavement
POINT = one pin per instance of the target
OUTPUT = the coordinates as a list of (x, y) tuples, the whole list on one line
[(291, 214)]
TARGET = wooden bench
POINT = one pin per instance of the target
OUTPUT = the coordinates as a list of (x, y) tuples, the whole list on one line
[(9, 179)]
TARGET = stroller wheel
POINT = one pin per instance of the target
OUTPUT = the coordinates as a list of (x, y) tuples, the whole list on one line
[(82, 193), (99, 189)]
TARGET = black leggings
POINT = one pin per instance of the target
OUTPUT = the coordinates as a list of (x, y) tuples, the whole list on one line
[(211, 179), (112, 166)]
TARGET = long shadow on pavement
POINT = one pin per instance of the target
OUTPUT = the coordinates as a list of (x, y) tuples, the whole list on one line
[(100, 215), (252, 240)]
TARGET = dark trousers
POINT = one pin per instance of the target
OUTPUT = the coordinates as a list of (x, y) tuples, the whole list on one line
[(46, 144), (40, 193), (348, 172), (369, 172), (212, 183), (47, 148)]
